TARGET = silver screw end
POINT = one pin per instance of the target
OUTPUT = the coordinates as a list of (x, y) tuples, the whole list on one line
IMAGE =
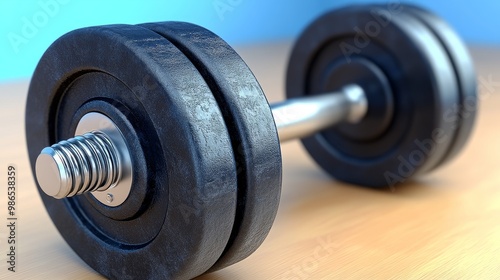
[(81, 164), (358, 101), (51, 174)]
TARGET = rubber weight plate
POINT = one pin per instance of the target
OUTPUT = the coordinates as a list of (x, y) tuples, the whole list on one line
[(251, 127), (465, 74), (407, 102), (180, 214)]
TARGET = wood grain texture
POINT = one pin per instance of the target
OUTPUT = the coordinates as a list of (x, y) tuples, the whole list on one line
[(444, 225)]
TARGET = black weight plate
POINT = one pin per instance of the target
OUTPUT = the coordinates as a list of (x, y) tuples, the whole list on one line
[(186, 183), (464, 71), (252, 129), (421, 79)]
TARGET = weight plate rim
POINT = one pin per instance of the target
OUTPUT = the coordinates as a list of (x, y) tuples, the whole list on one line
[(291, 75), (464, 70), (140, 42), (258, 205)]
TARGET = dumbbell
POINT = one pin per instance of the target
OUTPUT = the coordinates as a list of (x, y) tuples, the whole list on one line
[(160, 155)]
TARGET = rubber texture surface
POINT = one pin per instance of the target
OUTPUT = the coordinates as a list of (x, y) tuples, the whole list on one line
[(180, 215), (251, 127), (422, 81)]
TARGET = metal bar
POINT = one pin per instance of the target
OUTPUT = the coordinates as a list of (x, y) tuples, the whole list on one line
[(301, 117)]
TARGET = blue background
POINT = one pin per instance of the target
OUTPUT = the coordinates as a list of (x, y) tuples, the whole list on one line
[(29, 27)]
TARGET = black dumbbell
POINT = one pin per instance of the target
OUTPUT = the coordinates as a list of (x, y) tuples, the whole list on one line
[(176, 170)]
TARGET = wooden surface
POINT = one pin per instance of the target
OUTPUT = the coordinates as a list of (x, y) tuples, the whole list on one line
[(445, 225)]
